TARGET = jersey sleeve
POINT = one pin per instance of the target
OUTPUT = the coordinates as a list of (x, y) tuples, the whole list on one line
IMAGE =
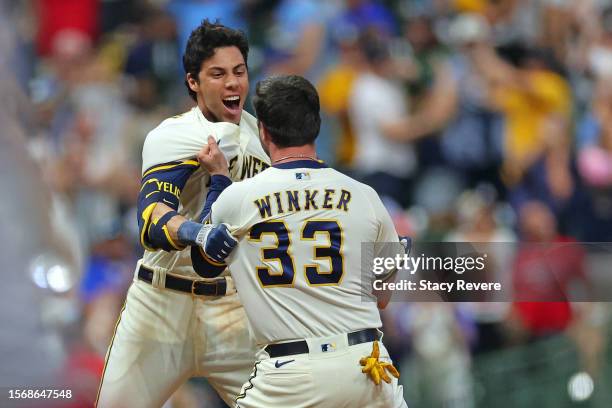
[(161, 184), (218, 183), (387, 243)]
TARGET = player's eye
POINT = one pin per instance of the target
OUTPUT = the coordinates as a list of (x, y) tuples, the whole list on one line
[(217, 74)]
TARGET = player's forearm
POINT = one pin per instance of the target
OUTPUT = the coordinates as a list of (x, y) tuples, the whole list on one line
[(180, 229), (173, 223)]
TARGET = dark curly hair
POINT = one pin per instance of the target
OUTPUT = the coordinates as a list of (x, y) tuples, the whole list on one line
[(202, 43), (288, 107)]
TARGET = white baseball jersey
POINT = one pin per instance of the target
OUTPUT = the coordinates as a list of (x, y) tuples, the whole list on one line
[(163, 336), (298, 264), (175, 143)]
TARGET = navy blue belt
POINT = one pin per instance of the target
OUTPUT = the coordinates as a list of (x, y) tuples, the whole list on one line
[(196, 287), (301, 347)]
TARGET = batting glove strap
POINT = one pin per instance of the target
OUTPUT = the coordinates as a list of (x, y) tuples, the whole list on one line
[(202, 234)]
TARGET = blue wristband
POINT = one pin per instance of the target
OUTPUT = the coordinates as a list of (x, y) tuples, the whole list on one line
[(188, 232)]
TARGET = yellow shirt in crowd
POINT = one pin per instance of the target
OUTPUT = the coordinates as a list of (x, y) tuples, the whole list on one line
[(527, 110), (334, 91)]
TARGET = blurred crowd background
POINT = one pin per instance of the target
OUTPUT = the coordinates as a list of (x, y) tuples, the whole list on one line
[(475, 120)]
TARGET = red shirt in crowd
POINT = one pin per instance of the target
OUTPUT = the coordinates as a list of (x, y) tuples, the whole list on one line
[(542, 275), (57, 15)]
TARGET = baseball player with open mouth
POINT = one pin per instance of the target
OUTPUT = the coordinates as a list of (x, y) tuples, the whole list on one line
[(175, 325)]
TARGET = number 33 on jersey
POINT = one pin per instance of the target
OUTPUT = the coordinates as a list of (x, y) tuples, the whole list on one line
[(300, 227)]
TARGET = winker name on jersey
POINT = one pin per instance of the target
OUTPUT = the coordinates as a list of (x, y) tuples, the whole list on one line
[(305, 237)]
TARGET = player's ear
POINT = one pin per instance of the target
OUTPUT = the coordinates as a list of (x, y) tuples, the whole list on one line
[(193, 83), (264, 135), (260, 130)]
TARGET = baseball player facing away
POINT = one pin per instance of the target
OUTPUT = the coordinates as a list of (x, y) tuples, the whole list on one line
[(299, 227), (175, 325)]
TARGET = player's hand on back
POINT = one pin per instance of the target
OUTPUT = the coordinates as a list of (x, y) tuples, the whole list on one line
[(212, 159), (216, 241)]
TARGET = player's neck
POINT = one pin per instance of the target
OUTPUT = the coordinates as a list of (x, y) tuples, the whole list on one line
[(289, 154)]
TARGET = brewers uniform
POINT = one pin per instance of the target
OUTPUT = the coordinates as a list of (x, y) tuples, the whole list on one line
[(174, 325), (297, 269)]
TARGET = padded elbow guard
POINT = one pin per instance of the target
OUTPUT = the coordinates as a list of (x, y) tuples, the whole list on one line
[(159, 235)]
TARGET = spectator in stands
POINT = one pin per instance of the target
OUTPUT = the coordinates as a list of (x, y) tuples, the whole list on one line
[(154, 57), (190, 13), (295, 39), (437, 371), (361, 16), (472, 142), (427, 75), (377, 101), (57, 16), (545, 267), (479, 226), (595, 161), (335, 88), (535, 101)]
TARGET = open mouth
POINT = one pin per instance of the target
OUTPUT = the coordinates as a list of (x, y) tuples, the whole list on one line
[(232, 102)]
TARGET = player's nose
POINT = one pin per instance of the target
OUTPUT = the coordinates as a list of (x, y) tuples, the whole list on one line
[(232, 82)]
